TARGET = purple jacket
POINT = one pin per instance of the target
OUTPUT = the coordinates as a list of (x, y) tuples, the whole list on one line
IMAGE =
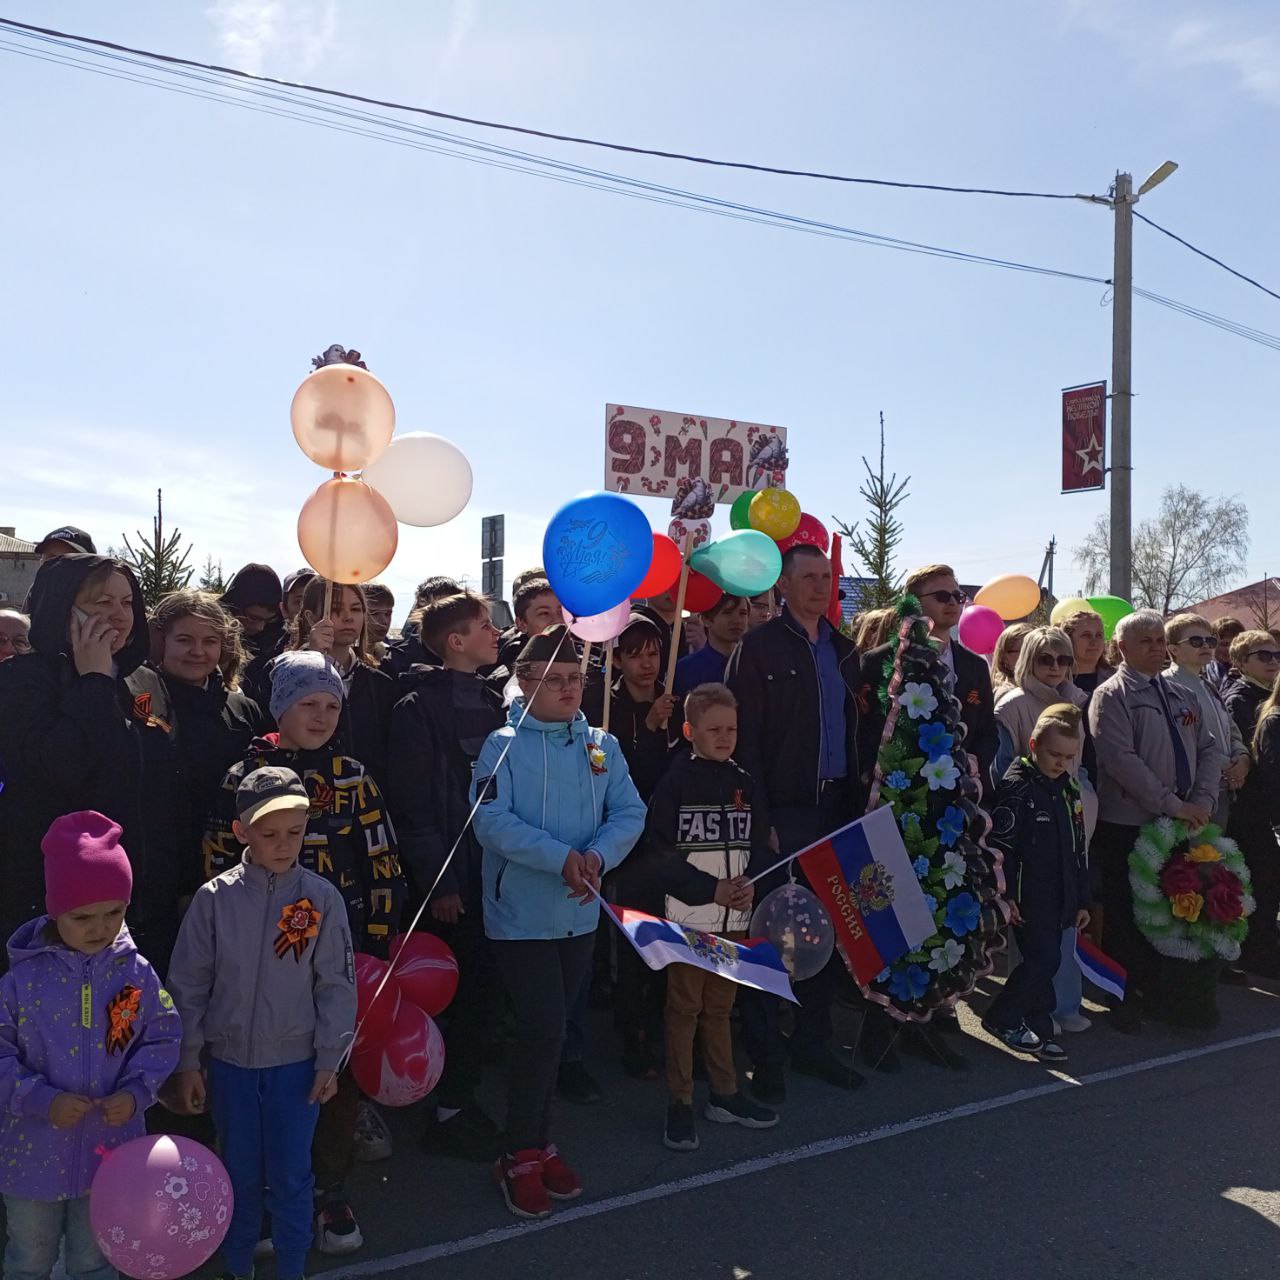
[(73, 1023)]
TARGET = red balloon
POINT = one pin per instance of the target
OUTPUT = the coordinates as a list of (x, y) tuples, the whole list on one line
[(425, 970), (810, 531), (408, 1066), (700, 593), (664, 568), (375, 1018)]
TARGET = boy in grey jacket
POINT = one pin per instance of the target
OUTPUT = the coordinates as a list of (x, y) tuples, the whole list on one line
[(264, 979)]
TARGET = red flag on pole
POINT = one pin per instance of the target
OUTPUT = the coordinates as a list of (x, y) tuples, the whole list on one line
[(835, 615), (1084, 438)]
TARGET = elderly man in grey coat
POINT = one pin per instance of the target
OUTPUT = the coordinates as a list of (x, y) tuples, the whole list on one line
[(1157, 754)]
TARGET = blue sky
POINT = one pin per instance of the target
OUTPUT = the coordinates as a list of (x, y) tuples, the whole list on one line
[(173, 263)]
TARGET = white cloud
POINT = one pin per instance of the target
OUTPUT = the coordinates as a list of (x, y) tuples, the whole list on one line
[(290, 35), (1252, 59)]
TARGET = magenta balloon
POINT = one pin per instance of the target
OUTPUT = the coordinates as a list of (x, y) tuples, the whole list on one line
[(980, 628), (600, 627), (159, 1206)]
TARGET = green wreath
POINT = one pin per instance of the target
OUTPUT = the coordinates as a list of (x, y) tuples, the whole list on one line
[(1191, 892)]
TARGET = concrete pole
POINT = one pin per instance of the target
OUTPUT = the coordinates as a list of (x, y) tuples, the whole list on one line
[(1121, 467)]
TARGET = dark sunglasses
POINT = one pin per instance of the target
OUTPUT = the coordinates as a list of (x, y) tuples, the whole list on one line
[(947, 597), (1200, 642), (1265, 655), (1054, 659)]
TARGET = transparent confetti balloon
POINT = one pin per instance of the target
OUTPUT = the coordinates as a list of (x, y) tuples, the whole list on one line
[(797, 925)]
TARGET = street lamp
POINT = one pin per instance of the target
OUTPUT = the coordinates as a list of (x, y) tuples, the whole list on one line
[(1122, 201)]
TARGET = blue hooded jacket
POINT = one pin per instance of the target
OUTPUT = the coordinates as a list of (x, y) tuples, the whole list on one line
[(559, 787)]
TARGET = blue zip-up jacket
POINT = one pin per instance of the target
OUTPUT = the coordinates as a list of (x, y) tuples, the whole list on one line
[(558, 787)]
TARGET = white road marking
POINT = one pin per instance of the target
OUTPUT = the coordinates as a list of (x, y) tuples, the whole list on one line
[(793, 1155), (1265, 1203)]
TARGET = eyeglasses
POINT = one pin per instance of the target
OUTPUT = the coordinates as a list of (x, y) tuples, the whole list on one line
[(1199, 642), (1054, 659), (558, 684), (947, 597), (1265, 655)]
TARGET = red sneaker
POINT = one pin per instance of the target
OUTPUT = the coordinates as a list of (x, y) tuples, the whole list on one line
[(559, 1180), (520, 1177)]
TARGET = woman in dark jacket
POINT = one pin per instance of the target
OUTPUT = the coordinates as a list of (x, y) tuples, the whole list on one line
[(69, 739)]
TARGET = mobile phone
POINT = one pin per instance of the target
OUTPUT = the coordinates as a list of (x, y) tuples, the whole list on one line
[(80, 614)]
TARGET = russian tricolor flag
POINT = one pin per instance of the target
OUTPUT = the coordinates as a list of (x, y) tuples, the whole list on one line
[(661, 942), (864, 877), (1100, 968)]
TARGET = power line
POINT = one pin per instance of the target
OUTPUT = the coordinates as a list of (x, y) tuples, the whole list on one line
[(531, 132), (1216, 261)]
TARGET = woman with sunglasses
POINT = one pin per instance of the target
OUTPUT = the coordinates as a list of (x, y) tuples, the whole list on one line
[(1255, 658), (1042, 677)]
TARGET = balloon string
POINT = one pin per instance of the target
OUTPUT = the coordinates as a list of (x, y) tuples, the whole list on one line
[(466, 826)]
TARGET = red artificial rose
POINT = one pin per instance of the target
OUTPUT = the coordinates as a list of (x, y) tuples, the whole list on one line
[(1223, 904), (1180, 876), (1221, 875)]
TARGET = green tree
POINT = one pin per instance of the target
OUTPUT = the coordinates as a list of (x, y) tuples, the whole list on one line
[(160, 564), (876, 542), (211, 578)]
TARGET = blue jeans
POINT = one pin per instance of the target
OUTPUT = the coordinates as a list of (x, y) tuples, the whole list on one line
[(37, 1227), (265, 1125)]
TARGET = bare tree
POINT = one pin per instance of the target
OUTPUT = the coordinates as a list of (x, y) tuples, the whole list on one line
[(1188, 551)]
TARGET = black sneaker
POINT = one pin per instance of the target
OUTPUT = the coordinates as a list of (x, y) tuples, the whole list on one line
[(737, 1108), (574, 1083), (337, 1230), (825, 1066), (1021, 1039), (1051, 1051), (681, 1134), (769, 1084), (469, 1135)]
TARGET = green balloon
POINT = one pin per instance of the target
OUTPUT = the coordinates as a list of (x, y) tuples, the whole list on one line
[(739, 513), (1110, 609)]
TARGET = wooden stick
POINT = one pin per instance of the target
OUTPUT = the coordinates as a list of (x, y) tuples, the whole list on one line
[(328, 597), (586, 657), (608, 685), (679, 620)]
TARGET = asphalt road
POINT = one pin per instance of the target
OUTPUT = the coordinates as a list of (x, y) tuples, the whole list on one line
[(1148, 1156)]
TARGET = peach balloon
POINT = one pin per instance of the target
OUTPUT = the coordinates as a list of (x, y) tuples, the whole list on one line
[(347, 531), (342, 417)]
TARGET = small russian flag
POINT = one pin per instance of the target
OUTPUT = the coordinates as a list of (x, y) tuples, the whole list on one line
[(1100, 968)]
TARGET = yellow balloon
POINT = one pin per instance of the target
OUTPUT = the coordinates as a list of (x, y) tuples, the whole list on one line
[(1011, 595), (1065, 608), (775, 512)]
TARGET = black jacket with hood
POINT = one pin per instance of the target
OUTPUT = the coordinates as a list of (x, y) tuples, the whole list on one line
[(67, 742)]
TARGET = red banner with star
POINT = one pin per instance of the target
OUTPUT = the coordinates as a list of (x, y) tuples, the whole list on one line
[(1084, 437)]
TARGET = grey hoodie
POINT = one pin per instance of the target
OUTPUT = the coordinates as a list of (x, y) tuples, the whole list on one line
[(262, 972)]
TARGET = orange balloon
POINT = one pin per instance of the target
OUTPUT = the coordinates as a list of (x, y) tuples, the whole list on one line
[(347, 531), (342, 417)]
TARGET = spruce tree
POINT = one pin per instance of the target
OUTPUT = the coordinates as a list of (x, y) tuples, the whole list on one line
[(160, 565), (875, 543)]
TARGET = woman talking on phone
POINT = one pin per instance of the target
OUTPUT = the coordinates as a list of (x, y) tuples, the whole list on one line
[(68, 724)]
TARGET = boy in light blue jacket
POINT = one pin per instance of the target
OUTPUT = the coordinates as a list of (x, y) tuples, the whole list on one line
[(557, 809)]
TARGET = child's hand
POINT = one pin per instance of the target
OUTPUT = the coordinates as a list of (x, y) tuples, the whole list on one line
[(574, 873), (448, 908), (726, 892), (320, 636), (592, 866), (1082, 919), (68, 1109), (1015, 916), (324, 1087), (744, 894), (660, 712), (190, 1091), (118, 1109)]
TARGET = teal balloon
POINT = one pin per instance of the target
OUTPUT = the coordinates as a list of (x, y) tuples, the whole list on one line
[(743, 563), (740, 512), (1110, 609)]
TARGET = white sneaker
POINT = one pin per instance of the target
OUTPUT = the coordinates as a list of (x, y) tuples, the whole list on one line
[(373, 1138), (1074, 1022)]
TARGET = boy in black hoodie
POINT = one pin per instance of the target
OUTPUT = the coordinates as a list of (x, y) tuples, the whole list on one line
[(437, 729), (700, 847), (1038, 825)]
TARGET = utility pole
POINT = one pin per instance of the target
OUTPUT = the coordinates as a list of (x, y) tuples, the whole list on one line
[(1122, 391)]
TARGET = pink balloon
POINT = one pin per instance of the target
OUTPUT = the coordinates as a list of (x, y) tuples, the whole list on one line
[(600, 627), (408, 1066), (425, 969), (342, 417), (160, 1206), (346, 531), (375, 1017), (811, 532), (980, 628)]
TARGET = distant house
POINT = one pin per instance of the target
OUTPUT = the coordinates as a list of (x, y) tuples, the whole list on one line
[(1257, 605), (18, 565)]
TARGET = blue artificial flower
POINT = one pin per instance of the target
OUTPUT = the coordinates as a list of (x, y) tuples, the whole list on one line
[(934, 739), (951, 826), (909, 820), (921, 867), (898, 780), (931, 902), (882, 975), (909, 983), (963, 913)]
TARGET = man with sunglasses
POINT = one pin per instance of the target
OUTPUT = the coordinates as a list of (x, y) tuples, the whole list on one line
[(1255, 659), (1157, 755)]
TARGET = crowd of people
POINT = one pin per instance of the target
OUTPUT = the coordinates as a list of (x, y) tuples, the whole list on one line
[(265, 781)]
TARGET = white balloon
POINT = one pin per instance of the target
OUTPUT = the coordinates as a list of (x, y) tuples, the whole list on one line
[(425, 478)]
